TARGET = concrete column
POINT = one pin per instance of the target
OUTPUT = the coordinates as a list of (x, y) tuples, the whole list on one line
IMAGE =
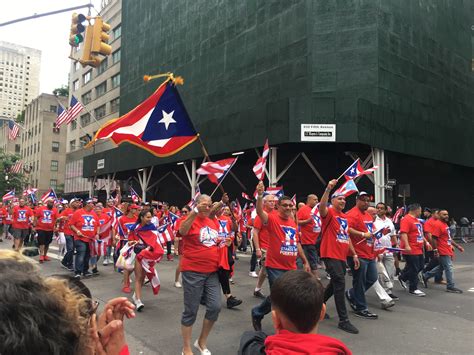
[(379, 174), (272, 178)]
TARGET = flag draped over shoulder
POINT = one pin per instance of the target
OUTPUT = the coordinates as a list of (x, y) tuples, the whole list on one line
[(160, 124)]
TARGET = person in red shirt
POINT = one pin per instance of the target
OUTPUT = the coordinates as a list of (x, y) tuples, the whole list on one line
[(199, 265), (84, 224), (65, 218), (2, 218), (430, 260), (443, 250), (21, 223), (412, 239), (361, 229), (283, 247), (44, 224), (178, 243), (7, 222), (260, 241), (336, 245), (98, 247), (309, 232)]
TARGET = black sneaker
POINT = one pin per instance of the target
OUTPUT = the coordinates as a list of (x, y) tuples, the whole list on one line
[(326, 316), (348, 327), (393, 297), (258, 294), (366, 315), (95, 272), (257, 323), (77, 276), (87, 274), (424, 281), (453, 290), (233, 302), (402, 283), (349, 299)]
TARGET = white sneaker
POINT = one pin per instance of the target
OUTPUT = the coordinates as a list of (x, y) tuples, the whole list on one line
[(177, 284), (106, 261), (253, 274), (202, 351), (138, 303), (418, 293)]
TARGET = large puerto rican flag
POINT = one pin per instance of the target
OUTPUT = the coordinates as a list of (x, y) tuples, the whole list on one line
[(160, 125)]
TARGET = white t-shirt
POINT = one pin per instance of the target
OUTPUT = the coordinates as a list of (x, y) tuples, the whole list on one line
[(386, 240)]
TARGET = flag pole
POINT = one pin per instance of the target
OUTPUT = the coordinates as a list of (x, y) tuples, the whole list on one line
[(220, 182)]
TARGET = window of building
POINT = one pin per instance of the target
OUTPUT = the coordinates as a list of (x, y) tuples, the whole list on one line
[(87, 97), (55, 129), (39, 128), (75, 85), (116, 80), (99, 112), (117, 32), (77, 65), (116, 56), (101, 89), (55, 146), (17, 148), (53, 183), (73, 125), (53, 108), (103, 66), (115, 105), (34, 148), (87, 77), (54, 165), (72, 145), (85, 119)]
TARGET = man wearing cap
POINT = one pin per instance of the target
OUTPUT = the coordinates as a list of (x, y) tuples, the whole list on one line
[(335, 247), (361, 229), (44, 223), (84, 224)]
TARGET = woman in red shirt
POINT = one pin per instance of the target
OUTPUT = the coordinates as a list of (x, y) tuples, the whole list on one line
[(199, 266)]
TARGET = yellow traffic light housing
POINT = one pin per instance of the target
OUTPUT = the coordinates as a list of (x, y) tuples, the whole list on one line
[(100, 38), (87, 57), (75, 36)]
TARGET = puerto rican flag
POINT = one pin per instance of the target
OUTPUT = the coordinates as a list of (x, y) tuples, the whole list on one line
[(196, 194), (50, 194), (172, 218), (398, 215), (160, 124), (10, 195), (276, 190), (134, 195), (259, 167), (164, 234), (29, 191), (238, 210), (216, 170), (348, 188), (247, 197), (356, 170), (316, 218), (116, 214), (293, 199)]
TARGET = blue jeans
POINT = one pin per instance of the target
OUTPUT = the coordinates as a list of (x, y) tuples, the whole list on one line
[(414, 264), (362, 279), (266, 306), (83, 254), (67, 259), (446, 264)]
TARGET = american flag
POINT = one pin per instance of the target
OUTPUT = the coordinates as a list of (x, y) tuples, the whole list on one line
[(9, 196), (13, 130), (16, 168), (216, 170), (74, 109), (259, 167), (62, 116), (48, 195)]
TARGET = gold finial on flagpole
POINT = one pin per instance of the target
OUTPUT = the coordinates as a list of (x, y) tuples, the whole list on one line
[(178, 80)]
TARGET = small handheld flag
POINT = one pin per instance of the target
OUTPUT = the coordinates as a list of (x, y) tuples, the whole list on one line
[(259, 167), (217, 170), (348, 188)]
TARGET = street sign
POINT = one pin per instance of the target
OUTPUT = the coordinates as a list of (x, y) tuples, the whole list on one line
[(100, 163), (391, 182), (318, 132)]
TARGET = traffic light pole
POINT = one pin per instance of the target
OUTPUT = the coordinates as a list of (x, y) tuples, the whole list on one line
[(45, 14)]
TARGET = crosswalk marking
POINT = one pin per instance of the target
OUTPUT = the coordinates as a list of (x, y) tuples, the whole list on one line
[(471, 289)]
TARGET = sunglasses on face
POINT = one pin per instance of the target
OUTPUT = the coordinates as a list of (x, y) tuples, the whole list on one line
[(286, 205), (184, 211)]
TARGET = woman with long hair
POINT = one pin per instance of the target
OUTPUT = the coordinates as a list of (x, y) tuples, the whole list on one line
[(148, 252)]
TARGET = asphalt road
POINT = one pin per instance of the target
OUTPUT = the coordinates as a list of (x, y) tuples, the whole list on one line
[(440, 323)]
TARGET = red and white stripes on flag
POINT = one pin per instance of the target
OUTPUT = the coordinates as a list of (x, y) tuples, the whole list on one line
[(216, 170), (247, 197), (259, 167), (16, 168), (99, 247), (164, 234), (13, 130), (62, 116), (151, 274), (74, 109), (293, 199)]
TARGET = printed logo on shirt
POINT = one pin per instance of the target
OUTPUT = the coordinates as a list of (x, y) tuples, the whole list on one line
[(208, 236), (449, 235), (21, 215), (317, 223), (88, 224), (288, 246), (342, 235), (223, 229), (47, 216), (419, 237), (370, 229)]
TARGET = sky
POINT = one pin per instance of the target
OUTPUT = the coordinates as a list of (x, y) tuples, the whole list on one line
[(49, 34)]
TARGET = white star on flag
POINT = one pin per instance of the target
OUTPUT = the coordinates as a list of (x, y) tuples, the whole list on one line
[(167, 119)]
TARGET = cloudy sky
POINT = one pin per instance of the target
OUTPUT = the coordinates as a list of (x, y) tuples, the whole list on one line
[(49, 34)]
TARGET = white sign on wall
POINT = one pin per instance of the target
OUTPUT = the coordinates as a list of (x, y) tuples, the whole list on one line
[(100, 163), (318, 132)]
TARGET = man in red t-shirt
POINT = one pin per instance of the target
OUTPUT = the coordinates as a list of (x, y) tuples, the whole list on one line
[(84, 224), (283, 247), (430, 260), (336, 245), (443, 250), (44, 224), (260, 241), (2, 217), (199, 265), (361, 229), (310, 230), (412, 239), (65, 217), (21, 223)]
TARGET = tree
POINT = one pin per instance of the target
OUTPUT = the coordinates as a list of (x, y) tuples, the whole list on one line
[(8, 180), (62, 91), (20, 118)]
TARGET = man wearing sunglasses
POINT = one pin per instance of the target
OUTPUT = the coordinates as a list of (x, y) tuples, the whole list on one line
[(283, 247)]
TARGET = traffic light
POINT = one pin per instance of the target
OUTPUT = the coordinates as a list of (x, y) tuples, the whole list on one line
[(87, 57), (100, 38), (75, 36)]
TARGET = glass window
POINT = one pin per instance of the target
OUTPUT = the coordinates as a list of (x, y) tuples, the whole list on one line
[(53, 183), (117, 32), (103, 66), (73, 125), (75, 85), (99, 112), (72, 145), (87, 97), (87, 77), (116, 80), (85, 119), (115, 105), (52, 108), (54, 165), (77, 65), (55, 146), (116, 56), (101, 89), (17, 148)]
